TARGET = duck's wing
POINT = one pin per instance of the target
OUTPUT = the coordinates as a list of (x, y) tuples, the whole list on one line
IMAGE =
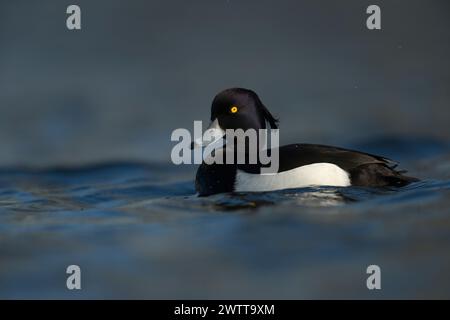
[(295, 155), (364, 169)]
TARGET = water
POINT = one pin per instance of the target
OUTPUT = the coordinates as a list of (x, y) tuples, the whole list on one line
[(137, 230)]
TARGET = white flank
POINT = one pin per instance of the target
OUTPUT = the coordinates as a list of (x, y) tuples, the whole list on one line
[(316, 174)]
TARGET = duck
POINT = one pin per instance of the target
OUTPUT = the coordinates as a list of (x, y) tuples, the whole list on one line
[(299, 165)]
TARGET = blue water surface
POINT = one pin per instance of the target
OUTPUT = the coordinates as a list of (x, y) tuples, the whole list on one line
[(137, 230)]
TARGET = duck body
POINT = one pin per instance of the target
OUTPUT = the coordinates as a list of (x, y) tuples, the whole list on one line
[(300, 165)]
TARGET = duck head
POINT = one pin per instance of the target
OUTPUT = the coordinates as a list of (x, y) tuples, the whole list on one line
[(238, 108)]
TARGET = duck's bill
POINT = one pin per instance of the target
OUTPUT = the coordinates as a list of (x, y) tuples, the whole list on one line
[(214, 134)]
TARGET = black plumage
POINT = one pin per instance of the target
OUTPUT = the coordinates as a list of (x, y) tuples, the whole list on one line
[(364, 169)]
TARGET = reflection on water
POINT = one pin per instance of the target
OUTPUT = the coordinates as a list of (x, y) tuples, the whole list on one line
[(323, 196), (139, 231)]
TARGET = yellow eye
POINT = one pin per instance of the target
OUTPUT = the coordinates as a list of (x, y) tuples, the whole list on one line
[(234, 109)]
